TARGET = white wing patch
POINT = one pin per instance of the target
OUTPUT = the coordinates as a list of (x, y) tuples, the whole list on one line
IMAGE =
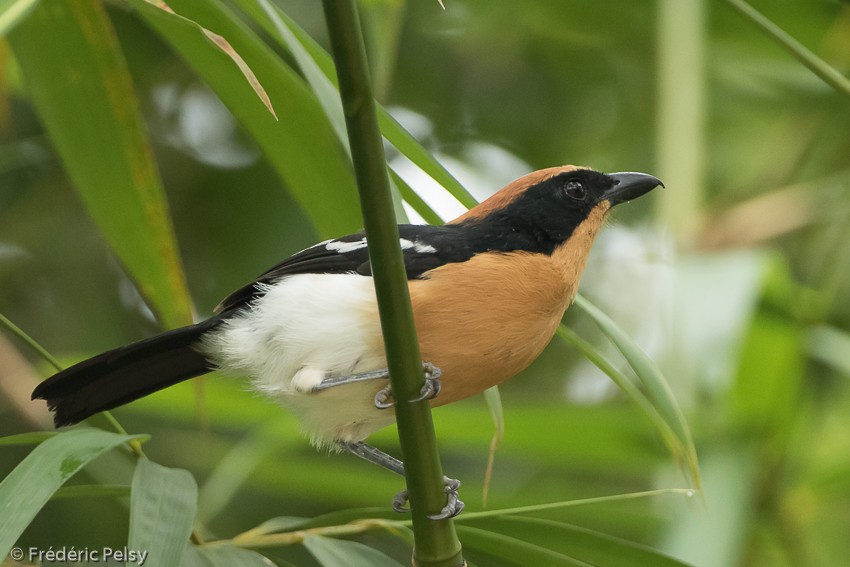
[(344, 247), (417, 246), (423, 248), (322, 243)]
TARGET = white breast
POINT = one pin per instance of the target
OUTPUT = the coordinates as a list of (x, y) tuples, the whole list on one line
[(303, 327)]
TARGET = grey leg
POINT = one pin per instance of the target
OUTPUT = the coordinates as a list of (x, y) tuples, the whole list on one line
[(374, 455), (332, 381), (383, 399)]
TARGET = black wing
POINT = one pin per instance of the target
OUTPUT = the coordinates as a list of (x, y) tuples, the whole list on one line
[(424, 248)]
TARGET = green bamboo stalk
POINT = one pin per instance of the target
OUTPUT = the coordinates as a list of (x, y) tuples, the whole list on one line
[(436, 543)]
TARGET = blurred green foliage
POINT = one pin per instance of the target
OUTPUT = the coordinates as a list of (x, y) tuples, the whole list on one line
[(741, 305)]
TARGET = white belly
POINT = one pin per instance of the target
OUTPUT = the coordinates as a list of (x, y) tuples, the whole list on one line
[(307, 325)]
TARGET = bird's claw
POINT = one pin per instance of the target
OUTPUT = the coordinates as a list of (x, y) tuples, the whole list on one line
[(384, 398), (432, 386), (400, 502), (430, 389), (453, 507)]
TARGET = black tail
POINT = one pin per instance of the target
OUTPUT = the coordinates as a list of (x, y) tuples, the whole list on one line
[(125, 374)]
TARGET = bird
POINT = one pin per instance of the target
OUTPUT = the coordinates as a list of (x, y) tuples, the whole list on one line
[(488, 290)]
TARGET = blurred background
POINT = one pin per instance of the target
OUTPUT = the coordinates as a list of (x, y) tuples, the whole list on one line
[(734, 278)]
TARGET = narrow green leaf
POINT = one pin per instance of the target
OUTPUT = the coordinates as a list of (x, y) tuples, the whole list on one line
[(228, 50), (224, 556), (414, 200), (32, 343), (340, 553), (80, 85), (321, 61), (12, 12), (398, 204), (350, 515), (162, 510), (275, 525), (31, 484), (92, 491), (104, 420), (658, 390), (591, 546), (632, 392), (322, 85), (513, 549), (494, 404), (33, 438), (473, 516), (415, 152), (301, 146), (801, 53)]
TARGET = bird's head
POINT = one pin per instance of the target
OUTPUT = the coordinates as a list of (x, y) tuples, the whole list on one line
[(546, 206)]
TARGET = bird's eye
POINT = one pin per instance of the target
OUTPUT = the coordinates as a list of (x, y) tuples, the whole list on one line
[(575, 190)]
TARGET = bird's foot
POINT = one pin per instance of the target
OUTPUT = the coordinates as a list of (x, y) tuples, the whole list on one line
[(430, 389), (453, 507)]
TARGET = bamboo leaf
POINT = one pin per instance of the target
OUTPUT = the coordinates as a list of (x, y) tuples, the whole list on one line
[(32, 343), (104, 420), (322, 85), (801, 53), (225, 46), (513, 549), (79, 83), (274, 525), (632, 392), (313, 59), (31, 484), (658, 390), (13, 12), (225, 556), (494, 404), (415, 152), (594, 547), (340, 553), (472, 516), (92, 491), (414, 200), (302, 146), (33, 438), (162, 510)]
